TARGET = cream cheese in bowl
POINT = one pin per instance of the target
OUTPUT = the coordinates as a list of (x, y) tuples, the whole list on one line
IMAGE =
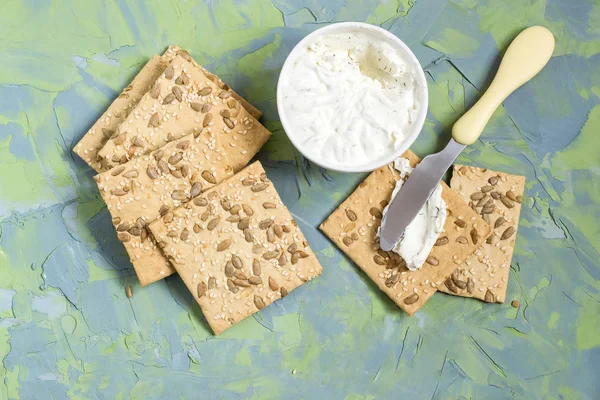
[(351, 97)]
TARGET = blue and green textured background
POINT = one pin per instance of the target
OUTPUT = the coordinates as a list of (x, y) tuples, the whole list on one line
[(67, 330)]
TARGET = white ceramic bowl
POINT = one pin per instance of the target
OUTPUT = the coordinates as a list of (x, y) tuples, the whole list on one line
[(421, 95)]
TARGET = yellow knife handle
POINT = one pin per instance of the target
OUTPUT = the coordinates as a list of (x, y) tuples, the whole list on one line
[(524, 58)]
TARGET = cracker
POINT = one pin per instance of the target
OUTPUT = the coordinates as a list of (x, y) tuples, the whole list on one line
[(358, 217), (141, 190), (487, 269), (183, 101), (95, 138), (215, 242)]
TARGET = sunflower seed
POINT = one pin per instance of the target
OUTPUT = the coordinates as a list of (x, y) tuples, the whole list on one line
[(286, 229), (383, 203), (155, 91), (511, 195), (116, 221), (175, 158), (164, 167), (196, 106), (179, 195), (295, 258), (237, 262), (244, 223), (248, 182), (486, 218), (135, 231), (177, 173), (128, 291), (212, 195), (247, 209), (229, 123), (119, 140), (123, 227), (168, 217), (207, 119), (272, 284), (169, 72), (172, 234), (495, 195), (270, 255), (213, 223), (169, 98), (507, 233), (413, 298), (231, 286), (375, 212), (477, 196), (488, 209), (351, 215), (196, 189), (282, 259), (255, 280), (185, 234), (229, 270), (163, 210), (206, 108), (201, 289), (349, 227), (225, 113), (460, 223), (205, 91), (507, 202), (470, 285), (258, 302), (493, 180), (270, 235), (183, 79), (379, 260), (268, 205), (233, 219), (459, 284), (197, 228), (212, 283), (224, 245), (489, 296), (235, 209), (519, 199), (450, 285), (202, 202), (474, 235), (432, 260), (184, 144), (117, 171), (258, 249), (482, 201), (178, 93), (442, 241), (119, 192), (302, 254), (462, 240), (124, 237), (224, 95), (283, 291), (259, 187), (265, 223), (240, 275), (347, 240), (209, 177), (292, 248), (256, 269)]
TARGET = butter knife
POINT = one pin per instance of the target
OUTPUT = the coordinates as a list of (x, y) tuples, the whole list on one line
[(525, 57)]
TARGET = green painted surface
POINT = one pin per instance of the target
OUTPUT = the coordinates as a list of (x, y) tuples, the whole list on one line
[(67, 330)]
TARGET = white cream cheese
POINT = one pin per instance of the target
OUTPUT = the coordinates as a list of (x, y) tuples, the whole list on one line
[(350, 98), (421, 234)]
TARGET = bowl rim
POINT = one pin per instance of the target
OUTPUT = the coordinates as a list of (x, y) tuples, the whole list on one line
[(421, 88)]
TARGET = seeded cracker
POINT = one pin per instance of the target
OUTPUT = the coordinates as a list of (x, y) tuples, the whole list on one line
[(352, 227), (141, 190), (497, 196), (183, 101), (237, 248), (105, 127)]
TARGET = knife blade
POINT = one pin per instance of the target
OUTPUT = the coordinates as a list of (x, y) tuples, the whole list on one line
[(415, 192), (528, 53)]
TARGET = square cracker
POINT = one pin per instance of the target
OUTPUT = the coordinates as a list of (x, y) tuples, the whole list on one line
[(486, 271), (359, 217), (237, 248), (95, 138), (183, 101), (141, 190)]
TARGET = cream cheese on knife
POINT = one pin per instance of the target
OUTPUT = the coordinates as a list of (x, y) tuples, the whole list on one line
[(350, 97), (421, 234)]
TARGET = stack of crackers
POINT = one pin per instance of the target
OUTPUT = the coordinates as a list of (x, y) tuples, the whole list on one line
[(171, 154), (471, 258)]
